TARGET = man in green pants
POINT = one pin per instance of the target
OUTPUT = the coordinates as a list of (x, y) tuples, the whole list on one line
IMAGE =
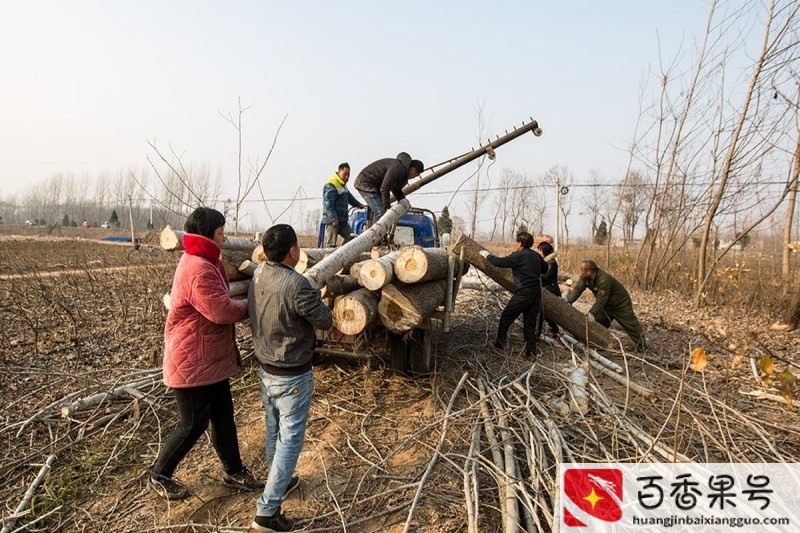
[(612, 302)]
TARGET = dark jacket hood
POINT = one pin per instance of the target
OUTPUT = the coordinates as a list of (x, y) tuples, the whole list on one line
[(405, 159)]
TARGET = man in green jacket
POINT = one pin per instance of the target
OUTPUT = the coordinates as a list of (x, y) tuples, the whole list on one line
[(612, 301)]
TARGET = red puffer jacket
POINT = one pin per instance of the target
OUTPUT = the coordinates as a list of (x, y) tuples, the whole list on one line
[(199, 337)]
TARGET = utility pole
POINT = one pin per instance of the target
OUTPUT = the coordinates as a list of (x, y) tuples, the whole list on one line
[(130, 215), (558, 214)]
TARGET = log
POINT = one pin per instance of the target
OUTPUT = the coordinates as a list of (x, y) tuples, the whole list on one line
[(376, 273), (555, 308), (338, 285), (239, 287), (248, 268), (353, 312), (402, 308), (231, 260), (310, 257), (172, 239), (418, 265), (258, 254), (355, 269), (320, 273)]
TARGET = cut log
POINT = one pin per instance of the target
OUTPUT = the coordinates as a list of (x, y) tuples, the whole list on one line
[(355, 311), (248, 268), (238, 288), (338, 285), (231, 260), (418, 265), (258, 254), (554, 308), (172, 239), (320, 273), (376, 273), (402, 308)]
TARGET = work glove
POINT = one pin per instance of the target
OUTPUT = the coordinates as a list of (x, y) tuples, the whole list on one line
[(485, 254), (590, 316)]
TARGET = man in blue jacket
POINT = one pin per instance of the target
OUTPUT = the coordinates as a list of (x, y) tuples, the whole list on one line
[(335, 199)]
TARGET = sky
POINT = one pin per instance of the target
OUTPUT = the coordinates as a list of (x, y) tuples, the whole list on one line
[(85, 85)]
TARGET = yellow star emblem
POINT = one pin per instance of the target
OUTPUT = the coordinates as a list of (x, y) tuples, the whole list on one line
[(593, 498)]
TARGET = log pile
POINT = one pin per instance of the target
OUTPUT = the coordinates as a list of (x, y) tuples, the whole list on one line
[(361, 286)]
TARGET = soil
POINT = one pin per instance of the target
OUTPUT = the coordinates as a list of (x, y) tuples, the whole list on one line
[(94, 318)]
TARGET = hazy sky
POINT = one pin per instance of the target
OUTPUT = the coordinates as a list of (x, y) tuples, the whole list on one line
[(85, 84)]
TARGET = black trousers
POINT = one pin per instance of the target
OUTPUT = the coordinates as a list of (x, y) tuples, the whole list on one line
[(525, 302), (197, 407), (540, 317)]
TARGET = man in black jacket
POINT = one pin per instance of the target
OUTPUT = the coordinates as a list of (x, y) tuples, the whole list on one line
[(526, 267), (379, 180)]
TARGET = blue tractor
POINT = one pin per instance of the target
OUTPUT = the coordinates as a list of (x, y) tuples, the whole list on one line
[(418, 226)]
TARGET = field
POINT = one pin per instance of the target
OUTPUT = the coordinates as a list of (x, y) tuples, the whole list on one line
[(79, 319)]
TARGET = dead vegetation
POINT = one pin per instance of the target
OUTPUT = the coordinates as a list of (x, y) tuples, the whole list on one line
[(474, 445)]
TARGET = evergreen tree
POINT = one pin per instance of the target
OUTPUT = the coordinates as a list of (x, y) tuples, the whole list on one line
[(65, 221), (523, 228), (114, 220), (444, 222)]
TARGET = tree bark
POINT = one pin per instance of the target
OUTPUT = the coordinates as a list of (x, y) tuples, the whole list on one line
[(553, 307), (355, 311), (248, 268), (376, 273), (172, 239), (238, 288), (418, 265), (310, 257), (790, 206), (401, 309), (340, 284), (347, 253)]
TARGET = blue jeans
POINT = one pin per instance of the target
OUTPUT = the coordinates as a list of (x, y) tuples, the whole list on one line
[(373, 200), (287, 400)]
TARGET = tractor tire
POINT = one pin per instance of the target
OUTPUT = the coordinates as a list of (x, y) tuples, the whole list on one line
[(412, 355)]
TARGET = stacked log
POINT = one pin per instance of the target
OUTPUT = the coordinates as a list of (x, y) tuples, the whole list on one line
[(353, 312), (338, 285), (376, 273), (172, 240), (418, 265), (554, 308), (405, 307)]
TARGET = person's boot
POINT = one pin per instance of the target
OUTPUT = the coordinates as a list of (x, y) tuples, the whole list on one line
[(167, 487)]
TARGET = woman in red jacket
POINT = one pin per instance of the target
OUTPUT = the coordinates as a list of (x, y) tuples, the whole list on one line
[(200, 356)]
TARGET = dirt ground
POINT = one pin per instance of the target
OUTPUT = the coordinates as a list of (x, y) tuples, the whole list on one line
[(372, 431)]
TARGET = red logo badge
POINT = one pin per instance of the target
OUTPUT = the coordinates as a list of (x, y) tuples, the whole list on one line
[(593, 493)]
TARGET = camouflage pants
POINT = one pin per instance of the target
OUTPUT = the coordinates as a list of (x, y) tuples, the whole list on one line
[(626, 318)]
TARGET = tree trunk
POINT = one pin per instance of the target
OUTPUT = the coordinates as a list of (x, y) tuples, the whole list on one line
[(172, 239), (258, 254), (376, 273), (320, 273), (355, 311), (553, 307), (401, 309), (790, 206), (417, 265), (340, 284)]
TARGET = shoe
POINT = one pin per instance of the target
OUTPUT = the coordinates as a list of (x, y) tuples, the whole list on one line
[(244, 480), (534, 354), (167, 487), (279, 522), (498, 344), (293, 484)]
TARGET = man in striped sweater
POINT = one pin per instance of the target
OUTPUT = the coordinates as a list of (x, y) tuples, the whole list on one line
[(284, 312)]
